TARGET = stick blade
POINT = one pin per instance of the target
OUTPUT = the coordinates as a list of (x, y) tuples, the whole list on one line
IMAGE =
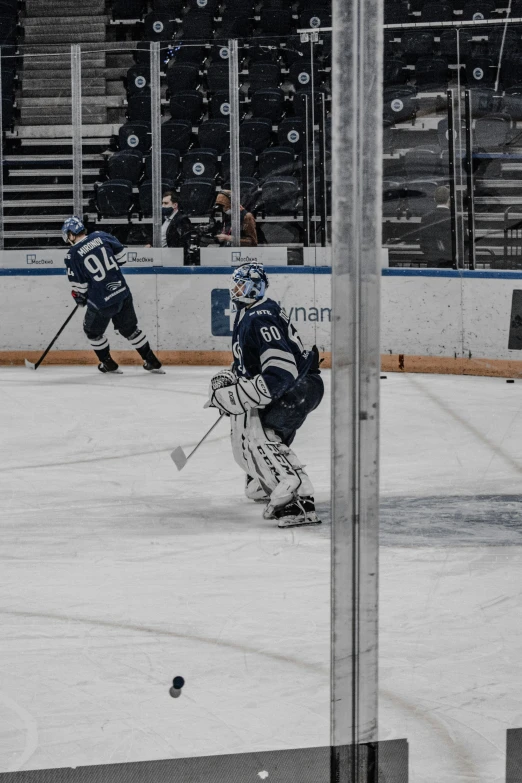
[(178, 457), (29, 365)]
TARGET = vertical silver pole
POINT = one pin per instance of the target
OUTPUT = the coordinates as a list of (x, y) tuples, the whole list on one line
[(356, 227), (155, 111), (76, 101), (233, 83), (1, 161)]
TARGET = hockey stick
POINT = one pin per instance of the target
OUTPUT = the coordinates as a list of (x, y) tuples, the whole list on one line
[(30, 365), (179, 457)]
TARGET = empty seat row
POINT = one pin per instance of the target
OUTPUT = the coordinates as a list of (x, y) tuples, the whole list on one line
[(201, 162), (277, 195)]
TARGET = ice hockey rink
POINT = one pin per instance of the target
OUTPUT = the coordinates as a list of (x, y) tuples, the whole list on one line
[(118, 573)]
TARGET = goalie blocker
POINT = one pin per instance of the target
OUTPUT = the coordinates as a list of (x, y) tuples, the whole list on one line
[(273, 385)]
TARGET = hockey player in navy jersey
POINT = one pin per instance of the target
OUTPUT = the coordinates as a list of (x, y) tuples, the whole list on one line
[(93, 268), (273, 385)]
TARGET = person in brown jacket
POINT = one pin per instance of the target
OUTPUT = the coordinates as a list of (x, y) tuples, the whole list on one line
[(248, 222)]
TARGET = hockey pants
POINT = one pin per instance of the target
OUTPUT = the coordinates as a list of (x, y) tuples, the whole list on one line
[(125, 321)]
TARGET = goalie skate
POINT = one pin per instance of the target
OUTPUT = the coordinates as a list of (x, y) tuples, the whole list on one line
[(299, 512)]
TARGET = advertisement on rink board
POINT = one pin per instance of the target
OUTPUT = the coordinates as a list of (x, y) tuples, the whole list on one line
[(53, 258)]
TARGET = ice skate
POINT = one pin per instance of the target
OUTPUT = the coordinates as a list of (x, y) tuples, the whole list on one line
[(109, 366), (152, 364), (299, 512)]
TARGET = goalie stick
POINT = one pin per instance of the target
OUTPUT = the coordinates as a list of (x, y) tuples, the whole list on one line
[(30, 365), (179, 457)]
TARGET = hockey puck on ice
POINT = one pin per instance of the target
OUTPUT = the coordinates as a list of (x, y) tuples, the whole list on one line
[(175, 692), (178, 683), (510, 380)]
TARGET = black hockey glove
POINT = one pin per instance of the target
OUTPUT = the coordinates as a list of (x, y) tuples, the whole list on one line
[(80, 299)]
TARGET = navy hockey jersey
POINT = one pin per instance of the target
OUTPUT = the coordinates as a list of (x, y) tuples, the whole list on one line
[(264, 341), (93, 268)]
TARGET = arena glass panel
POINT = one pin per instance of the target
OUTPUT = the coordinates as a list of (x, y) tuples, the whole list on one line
[(492, 148), (151, 575), (448, 556)]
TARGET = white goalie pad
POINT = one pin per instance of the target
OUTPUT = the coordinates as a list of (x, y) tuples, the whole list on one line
[(261, 454)]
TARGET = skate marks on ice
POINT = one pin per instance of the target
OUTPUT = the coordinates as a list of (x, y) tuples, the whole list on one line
[(453, 520)]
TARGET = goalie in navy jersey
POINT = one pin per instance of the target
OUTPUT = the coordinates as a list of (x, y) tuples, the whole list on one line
[(93, 268), (273, 385)]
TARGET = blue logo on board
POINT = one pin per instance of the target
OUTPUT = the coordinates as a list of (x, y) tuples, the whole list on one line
[(223, 312)]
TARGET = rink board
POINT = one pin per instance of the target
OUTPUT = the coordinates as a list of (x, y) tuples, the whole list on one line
[(432, 320)]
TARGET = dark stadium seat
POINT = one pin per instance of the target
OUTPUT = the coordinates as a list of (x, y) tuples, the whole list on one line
[(448, 44), (312, 18), (395, 71), (393, 194), (114, 198), (197, 25), (247, 162), (291, 133), (220, 104), (182, 76), (422, 163), (248, 192), (431, 73), (255, 133), (511, 69), (512, 102), (262, 75), (146, 194), (158, 27), (135, 136), (484, 100), (127, 165), (236, 25), (219, 53), (437, 12), (280, 196), (509, 40), (217, 76), (138, 79), (302, 73), (186, 105), (276, 21), (492, 131), (416, 43), (276, 162), (420, 196), (480, 71), (7, 112), (139, 107), (215, 134), (269, 102), (205, 6), (189, 53), (396, 12), (127, 9), (170, 165), (399, 104), (8, 27), (171, 8), (197, 196), (142, 53), (200, 162), (176, 135), (478, 9)]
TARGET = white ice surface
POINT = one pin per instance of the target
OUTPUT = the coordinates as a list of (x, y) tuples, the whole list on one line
[(118, 573)]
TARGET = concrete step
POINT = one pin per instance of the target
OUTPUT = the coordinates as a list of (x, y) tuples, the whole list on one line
[(95, 49), (64, 74), (43, 115), (64, 102), (38, 64), (65, 7), (50, 158), (70, 36), (44, 22), (41, 88), (38, 132)]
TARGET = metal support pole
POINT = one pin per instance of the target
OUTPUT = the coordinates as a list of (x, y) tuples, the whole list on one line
[(155, 116), (453, 181), (76, 106), (235, 174), (470, 184), (1, 160), (356, 227), (323, 200), (306, 180)]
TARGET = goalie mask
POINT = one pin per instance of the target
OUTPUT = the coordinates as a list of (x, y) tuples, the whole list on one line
[(249, 283)]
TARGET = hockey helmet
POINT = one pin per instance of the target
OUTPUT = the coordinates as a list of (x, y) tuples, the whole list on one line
[(248, 284), (72, 225)]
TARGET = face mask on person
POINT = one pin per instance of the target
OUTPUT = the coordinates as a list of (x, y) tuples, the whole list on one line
[(167, 211)]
